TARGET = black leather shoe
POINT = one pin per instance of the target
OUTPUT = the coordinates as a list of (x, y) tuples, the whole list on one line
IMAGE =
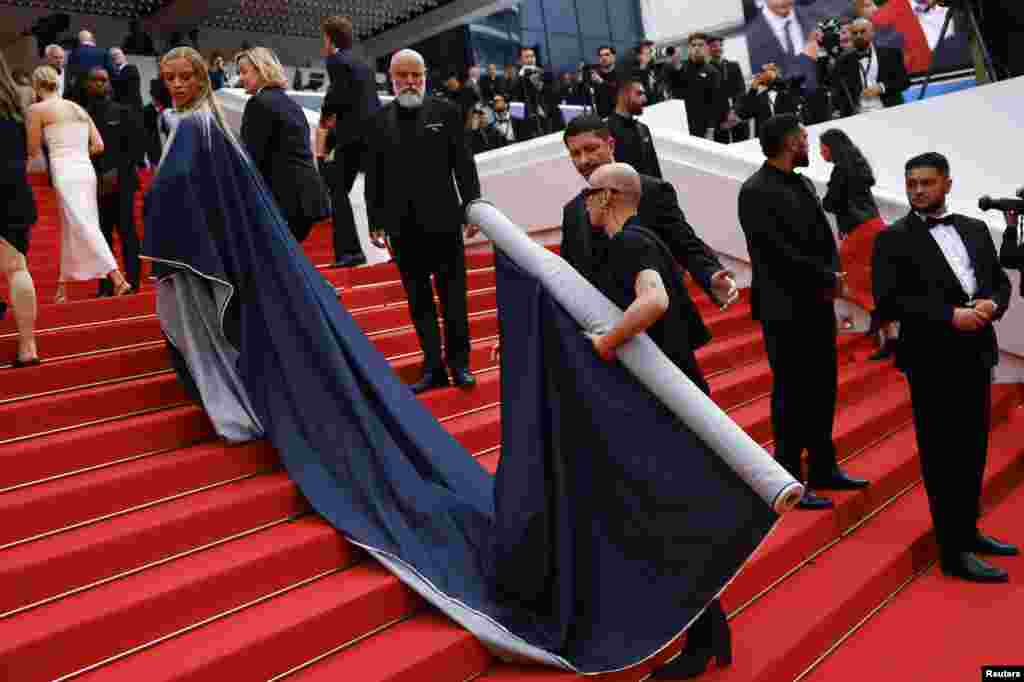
[(463, 378), (812, 501), (350, 260), (3, 310), (839, 480), (991, 547), (431, 380), (967, 566)]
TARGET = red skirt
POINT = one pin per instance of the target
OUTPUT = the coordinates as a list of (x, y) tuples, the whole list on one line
[(855, 255)]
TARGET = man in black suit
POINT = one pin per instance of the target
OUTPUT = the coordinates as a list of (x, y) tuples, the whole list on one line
[(938, 275), (591, 146), (490, 83), (81, 62), (634, 143), (731, 128), (604, 81), (505, 128), (874, 76), (698, 83), (124, 145), (480, 136), (536, 89), (766, 98), (126, 80), (350, 102), (416, 145), (796, 278)]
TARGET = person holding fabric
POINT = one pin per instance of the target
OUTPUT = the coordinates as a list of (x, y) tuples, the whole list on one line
[(859, 222), (276, 134), (17, 215)]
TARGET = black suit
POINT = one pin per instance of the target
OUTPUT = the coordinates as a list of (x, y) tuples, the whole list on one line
[(949, 371), (127, 84), (582, 246), (542, 114), (498, 128), (276, 136), (352, 98), (699, 85), (892, 74), (795, 264), (82, 60), (410, 195), (765, 48), (124, 145), (734, 87), (634, 144), (759, 106)]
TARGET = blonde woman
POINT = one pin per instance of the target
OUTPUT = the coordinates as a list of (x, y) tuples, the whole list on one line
[(17, 215), (276, 135), (72, 138)]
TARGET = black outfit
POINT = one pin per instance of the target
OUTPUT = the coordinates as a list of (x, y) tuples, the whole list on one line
[(795, 264), (949, 371), (127, 85), (892, 75), (849, 197), (698, 85), (500, 128), (542, 114), (413, 155), (276, 136), (1011, 254), (758, 105), (734, 87), (352, 98), (17, 204), (482, 140), (650, 77), (124, 144), (583, 247), (634, 144), (489, 87), (605, 93), (82, 60)]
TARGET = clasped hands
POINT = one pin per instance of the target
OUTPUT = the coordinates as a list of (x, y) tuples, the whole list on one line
[(976, 317), (379, 239)]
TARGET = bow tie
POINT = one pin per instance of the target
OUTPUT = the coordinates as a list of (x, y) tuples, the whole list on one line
[(935, 222)]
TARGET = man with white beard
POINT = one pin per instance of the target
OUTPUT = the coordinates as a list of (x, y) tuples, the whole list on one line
[(416, 145)]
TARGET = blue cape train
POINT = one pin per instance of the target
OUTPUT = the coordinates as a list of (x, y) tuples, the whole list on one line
[(610, 525)]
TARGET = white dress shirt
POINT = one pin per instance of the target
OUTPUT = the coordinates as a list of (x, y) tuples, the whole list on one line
[(781, 25), (869, 77), (931, 22), (953, 248), (60, 82)]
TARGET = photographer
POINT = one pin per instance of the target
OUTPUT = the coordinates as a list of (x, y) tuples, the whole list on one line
[(647, 71), (535, 89), (697, 83), (875, 76), (1011, 253), (768, 96)]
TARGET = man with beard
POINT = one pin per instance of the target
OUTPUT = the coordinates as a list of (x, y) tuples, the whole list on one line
[(874, 76), (591, 146), (796, 278), (604, 80), (124, 145), (416, 145), (697, 83), (937, 274), (634, 143)]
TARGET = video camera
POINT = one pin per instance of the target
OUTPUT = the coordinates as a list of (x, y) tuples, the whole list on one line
[(830, 41), (987, 203)]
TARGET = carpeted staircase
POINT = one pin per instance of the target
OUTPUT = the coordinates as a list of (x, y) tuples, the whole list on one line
[(135, 546)]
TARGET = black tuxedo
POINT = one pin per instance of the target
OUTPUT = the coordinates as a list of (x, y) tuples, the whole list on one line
[(734, 87), (795, 264), (759, 106), (352, 98), (518, 132), (949, 371), (583, 246), (410, 194), (124, 145), (276, 136), (699, 85), (127, 85), (892, 74), (634, 144)]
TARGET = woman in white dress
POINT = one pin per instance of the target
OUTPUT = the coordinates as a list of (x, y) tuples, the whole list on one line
[(72, 137)]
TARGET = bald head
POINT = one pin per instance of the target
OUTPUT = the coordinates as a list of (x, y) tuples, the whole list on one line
[(55, 57), (862, 32), (86, 38), (409, 78), (613, 197), (620, 177)]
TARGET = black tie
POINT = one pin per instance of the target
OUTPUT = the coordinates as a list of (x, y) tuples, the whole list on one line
[(935, 222)]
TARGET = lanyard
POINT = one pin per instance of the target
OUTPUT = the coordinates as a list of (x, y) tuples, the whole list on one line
[(865, 70)]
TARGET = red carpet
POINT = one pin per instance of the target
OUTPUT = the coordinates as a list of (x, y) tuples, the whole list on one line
[(137, 547)]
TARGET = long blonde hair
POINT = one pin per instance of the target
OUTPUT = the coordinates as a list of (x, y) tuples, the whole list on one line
[(267, 65), (10, 99), (205, 99)]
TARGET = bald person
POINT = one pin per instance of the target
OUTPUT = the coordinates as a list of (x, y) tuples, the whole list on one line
[(874, 76), (420, 175), (55, 57)]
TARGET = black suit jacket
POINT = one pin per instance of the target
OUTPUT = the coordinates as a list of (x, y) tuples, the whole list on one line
[(124, 141), (659, 212), (634, 145), (765, 48), (276, 136), (914, 285), (892, 73), (792, 251), (417, 176), (700, 86), (758, 106), (352, 97), (127, 85)]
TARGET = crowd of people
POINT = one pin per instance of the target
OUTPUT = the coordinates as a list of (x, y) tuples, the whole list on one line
[(240, 304)]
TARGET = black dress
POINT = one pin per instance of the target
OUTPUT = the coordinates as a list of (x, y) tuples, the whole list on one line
[(17, 204)]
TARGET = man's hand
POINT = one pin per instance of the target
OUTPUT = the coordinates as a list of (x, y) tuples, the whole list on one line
[(600, 342), (986, 307), (470, 231), (969, 319), (811, 49), (378, 239), (873, 91), (723, 288)]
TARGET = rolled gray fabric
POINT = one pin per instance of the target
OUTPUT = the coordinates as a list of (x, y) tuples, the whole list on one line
[(595, 313)]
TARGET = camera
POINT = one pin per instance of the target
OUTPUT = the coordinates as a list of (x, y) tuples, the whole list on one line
[(831, 42), (987, 203), (796, 84)]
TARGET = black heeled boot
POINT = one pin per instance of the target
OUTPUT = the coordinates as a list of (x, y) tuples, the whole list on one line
[(709, 637)]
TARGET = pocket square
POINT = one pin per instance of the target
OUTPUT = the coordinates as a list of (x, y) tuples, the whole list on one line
[(435, 127)]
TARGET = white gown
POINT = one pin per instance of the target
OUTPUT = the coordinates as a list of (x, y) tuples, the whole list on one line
[(84, 253)]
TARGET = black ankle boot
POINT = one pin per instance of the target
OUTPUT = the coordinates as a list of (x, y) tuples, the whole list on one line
[(709, 637)]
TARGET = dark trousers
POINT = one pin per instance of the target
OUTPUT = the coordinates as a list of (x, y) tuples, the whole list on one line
[(419, 255), (117, 211), (952, 415), (802, 357), (340, 175)]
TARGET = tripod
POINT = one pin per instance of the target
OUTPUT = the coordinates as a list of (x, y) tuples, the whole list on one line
[(968, 8)]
